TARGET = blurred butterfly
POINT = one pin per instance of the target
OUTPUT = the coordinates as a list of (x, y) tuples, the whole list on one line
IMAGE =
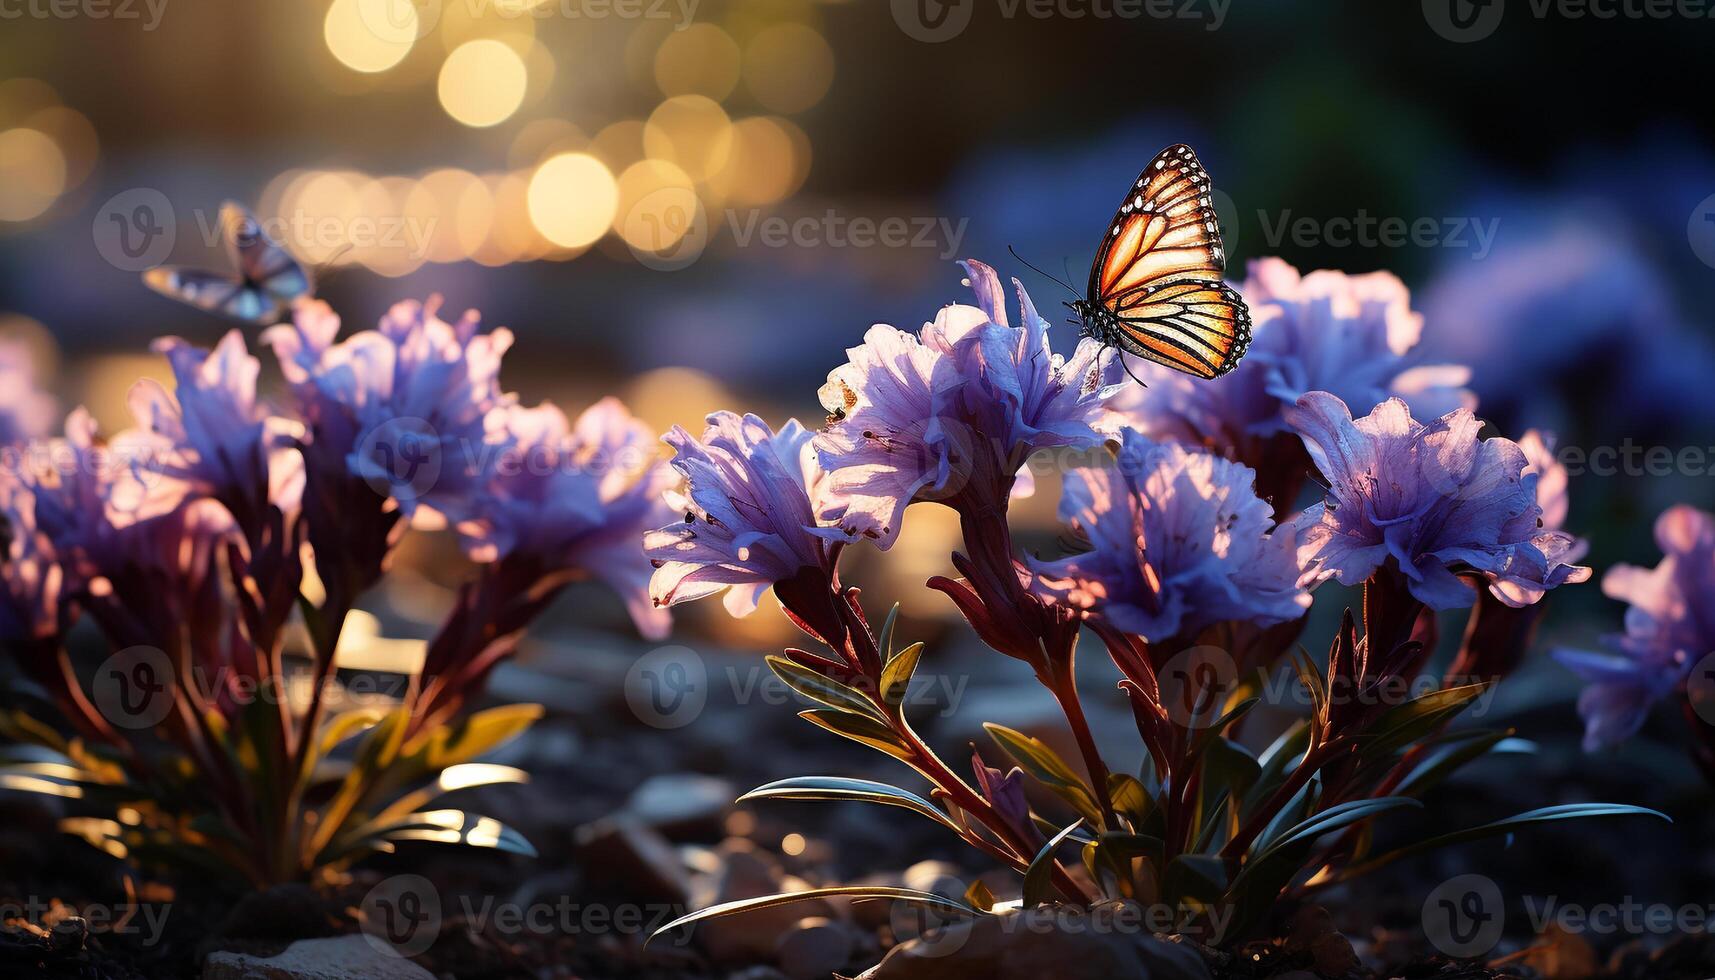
[(1155, 286), (269, 279)]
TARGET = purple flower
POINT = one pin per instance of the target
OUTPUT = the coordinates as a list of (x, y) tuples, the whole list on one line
[(1670, 627), (575, 498), (751, 506), (1433, 498), (970, 397), (26, 412), (1180, 541), (405, 405), (211, 432), (1352, 335), (29, 579)]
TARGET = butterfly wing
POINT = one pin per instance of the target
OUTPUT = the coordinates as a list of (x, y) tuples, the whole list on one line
[(210, 291), (1158, 272), (264, 264)]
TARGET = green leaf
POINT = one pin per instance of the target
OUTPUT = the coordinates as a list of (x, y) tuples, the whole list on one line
[(345, 725), (823, 690), (979, 897), (1036, 758), (896, 676), (1039, 877), (437, 827), (1131, 798), (474, 736), (842, 788), (1338, 817), (1275, 762), (1547, 814), (887, 628), (1406, 723), (1467, 749), (1199, 878), (858, 728), (1128, 846), (856, 893)]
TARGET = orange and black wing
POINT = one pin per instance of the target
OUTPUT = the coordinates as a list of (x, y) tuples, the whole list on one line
[(1158, 272)]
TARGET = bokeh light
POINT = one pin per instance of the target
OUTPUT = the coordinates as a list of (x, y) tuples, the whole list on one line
[(657, 205), (700, 60), (483, 82), (692, 131), (788, 67), (370, 35), (32, 173), (572, 199), (770, 159)]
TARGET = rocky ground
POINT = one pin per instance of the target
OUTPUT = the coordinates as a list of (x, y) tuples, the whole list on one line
[(635, 825)]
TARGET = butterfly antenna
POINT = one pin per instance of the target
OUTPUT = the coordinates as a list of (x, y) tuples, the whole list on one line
[(1046, 275), (1124, 366)]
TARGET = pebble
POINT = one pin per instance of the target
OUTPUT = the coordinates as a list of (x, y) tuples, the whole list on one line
[(338, 958), (813, 949)]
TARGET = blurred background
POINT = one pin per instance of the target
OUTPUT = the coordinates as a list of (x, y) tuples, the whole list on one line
[(697, 204)]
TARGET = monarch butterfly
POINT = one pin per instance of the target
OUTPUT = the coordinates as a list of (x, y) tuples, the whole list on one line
[(1155, 286), (269, 279)]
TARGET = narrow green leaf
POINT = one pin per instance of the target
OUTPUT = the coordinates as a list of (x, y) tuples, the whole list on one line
[(856, 893), (1131, 798), (896, 676), (1340, 816), (1195, 877), (979, 897), (887, 628), (1547, 814), (842, 788), (821, 689), (1039, 877), (1404, 724), (1439, 766), (858, 728), (1036, 758)]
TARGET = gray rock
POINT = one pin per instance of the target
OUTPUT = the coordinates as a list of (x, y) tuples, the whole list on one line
[(338, 958), (623, 855), (813, 949), (749, 872), (1049, 941), (682, 804)]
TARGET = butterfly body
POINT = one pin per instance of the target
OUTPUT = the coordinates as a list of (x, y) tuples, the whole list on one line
[(1156, 288), (267, 282)]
